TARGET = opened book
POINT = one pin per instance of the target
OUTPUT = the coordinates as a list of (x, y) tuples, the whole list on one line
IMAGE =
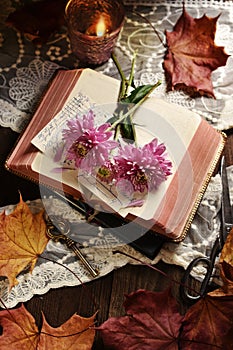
[(193, 148)]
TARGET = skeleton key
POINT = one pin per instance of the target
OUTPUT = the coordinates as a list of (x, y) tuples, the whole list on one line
[(60, 234)]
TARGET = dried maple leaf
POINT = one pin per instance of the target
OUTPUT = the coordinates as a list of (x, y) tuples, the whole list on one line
[(208, 324), (76, 333), (226, 268), (23, 239), (192, 54), (38, 20), (152, 322), (227, 251), (20, 332)]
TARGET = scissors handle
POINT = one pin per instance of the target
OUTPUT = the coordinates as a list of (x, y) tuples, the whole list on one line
[(187, 292), (209, 263)]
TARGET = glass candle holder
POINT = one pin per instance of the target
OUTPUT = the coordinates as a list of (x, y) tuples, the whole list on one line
[(93, 28)]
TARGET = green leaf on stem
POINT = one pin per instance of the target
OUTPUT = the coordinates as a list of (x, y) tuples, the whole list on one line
[(123, 115), (137, 94), (127, 129)]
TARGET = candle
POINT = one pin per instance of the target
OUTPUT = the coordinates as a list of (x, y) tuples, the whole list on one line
[(101, 27), (93, 28)]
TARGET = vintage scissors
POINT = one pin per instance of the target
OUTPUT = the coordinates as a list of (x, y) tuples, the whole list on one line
[(58, 229), (187, 292)]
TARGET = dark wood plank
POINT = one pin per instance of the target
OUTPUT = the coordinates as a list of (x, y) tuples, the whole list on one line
[(133, 277)]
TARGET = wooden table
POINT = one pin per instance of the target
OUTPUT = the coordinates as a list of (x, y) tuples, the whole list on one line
[(105, 294)]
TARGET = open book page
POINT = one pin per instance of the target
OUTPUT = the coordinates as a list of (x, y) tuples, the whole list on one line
[(91, 88), (155, 119)]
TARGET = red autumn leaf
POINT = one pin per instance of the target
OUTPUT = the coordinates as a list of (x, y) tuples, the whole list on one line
[(152, 322), (192, 54), (23, 239), (20, 332), (38, 20), (208, 324)]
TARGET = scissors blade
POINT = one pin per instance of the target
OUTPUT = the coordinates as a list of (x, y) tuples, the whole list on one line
[(226, 212)]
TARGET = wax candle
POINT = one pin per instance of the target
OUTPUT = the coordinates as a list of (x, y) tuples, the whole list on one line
[(93, 28)]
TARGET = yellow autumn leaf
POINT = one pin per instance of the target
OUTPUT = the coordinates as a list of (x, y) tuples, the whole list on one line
[(21, 332), (227, 251), (23, 239), (226, 268), (76, 333)]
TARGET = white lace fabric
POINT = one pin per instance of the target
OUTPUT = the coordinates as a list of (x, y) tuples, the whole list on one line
[(58, 266), (26, 70)]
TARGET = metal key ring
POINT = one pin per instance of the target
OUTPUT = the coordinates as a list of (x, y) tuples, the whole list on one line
[(57, 227), (57, 224)]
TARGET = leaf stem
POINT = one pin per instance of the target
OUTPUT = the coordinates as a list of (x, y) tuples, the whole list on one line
[(151, 25), (70, 335), (155, 269)]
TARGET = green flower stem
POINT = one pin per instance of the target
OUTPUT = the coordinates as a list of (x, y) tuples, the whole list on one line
[(134, 108), (125, 83), (133, 130), (117, 132), (131, 77), (123, 78)]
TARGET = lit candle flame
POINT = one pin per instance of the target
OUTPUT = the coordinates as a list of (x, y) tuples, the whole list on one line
[(100, 27)]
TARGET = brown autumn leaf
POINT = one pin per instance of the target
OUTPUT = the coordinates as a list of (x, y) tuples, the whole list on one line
[(20, 332), (38, 20), (226, 268), (192, 54), (208, 324), (23, 239), (152, 322), (227, 251)]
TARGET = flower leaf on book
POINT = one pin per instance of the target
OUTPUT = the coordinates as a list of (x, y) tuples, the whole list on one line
[(136, 97)]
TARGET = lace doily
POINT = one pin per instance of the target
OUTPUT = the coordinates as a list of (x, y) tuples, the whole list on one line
[(63, 269), (25, 69)]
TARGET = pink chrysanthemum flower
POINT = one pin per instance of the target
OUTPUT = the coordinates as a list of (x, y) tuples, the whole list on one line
[(88, 146), (144, 167)]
